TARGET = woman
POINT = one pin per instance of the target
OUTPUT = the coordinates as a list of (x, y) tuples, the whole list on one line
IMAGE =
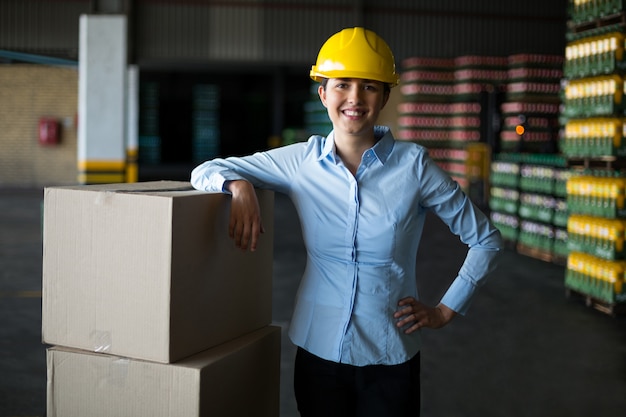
[(362, 198)]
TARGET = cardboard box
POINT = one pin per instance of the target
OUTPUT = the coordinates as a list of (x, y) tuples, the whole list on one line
[(239, 378), (147, 270)]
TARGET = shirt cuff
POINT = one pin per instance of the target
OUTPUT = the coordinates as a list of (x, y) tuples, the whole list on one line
[(459, 295)]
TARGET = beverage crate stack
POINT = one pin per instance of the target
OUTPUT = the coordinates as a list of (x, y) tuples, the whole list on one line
[(149, 309), (593, 95), (149, 139), (596, 265), (527, 198), (476, 77), (530, 111), (424, 116), (587, 12), (593, 141), (442, 109), (543, 207), (205, 122), (528, 203)]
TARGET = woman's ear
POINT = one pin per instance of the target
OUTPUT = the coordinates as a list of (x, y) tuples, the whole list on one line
[(321, 91)]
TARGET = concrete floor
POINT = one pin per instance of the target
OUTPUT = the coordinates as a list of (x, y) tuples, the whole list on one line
[(524, 349)]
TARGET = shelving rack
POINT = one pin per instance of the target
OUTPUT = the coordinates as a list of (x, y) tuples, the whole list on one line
[(149, 133), (316, 121), (205, 122)]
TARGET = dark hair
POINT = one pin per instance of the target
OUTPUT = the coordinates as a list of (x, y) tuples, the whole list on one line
[(387, 87)]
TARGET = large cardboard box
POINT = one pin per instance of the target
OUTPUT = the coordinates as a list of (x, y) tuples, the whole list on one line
[(147, 270), (236, 379)]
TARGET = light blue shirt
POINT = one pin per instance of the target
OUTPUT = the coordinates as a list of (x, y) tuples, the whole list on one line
[(361, 235)]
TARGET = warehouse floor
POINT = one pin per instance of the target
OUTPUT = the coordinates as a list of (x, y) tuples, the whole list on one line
[(523, 350)]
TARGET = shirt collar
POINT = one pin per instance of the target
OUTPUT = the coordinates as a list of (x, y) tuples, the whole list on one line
[(381, 149)]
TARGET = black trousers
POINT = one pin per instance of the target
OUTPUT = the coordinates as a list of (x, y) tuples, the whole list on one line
[(328, 389)]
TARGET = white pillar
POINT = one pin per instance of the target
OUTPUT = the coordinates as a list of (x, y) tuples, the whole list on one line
[(102, 99), (132, 130)]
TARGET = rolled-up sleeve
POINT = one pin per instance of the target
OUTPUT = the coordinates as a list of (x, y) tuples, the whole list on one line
[(273, 169)]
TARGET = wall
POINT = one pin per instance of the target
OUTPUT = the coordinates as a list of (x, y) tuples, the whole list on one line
[(247, 37), (167, 33), (28, 92)]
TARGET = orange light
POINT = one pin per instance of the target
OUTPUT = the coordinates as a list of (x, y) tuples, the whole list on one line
[(519, 129)]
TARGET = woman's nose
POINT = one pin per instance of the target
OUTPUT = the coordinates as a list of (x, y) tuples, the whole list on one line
[(355, 94)]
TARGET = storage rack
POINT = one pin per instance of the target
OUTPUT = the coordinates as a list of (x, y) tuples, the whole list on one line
[(593, 142), (149, 139), (205, 122), (316, 120)]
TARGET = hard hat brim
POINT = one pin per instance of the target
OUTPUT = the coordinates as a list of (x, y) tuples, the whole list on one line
[(317, 76)]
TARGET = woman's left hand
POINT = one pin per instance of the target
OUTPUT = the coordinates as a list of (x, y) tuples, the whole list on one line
[(413, 315)]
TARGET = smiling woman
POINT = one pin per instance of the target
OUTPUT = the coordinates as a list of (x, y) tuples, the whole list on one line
[(362, 199), (353, 106)]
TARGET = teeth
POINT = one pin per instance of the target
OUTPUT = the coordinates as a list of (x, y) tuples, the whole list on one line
[(352, 113)]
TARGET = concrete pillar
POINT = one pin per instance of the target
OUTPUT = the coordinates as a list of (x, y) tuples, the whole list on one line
[(102, 72), (132, 125)]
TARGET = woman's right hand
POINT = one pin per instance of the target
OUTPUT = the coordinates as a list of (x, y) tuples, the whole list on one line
[(245, 223)]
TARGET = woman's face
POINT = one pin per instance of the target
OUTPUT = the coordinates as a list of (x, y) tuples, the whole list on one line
[(353, 104)]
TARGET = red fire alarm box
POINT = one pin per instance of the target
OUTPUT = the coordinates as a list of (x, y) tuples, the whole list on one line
[(48, 131)]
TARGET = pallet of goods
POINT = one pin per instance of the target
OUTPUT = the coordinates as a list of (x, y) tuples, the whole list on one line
[(443, 109), (593, 141)]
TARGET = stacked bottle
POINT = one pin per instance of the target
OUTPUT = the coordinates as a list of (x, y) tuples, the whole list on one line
[(593, 120), (597, 236), (596, 195), (529, 191), (504, 200), (594, 96), (425, 115), (595, 137), (601, 54), (528, 138), (537, 239), (587, 11), (507, 224), (598, 278), (505, 174)]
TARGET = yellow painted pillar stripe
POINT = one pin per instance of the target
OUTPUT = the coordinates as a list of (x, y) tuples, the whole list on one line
[(101, 172), (132, 169), (20, 294)]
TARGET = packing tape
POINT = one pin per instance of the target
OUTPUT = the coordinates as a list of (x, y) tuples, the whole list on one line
[(118, 371), (101, 341)]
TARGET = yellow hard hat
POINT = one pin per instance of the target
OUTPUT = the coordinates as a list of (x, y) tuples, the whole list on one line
[(356, 53)]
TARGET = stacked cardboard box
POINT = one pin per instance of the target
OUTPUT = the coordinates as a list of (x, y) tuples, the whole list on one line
[(150, 308)]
